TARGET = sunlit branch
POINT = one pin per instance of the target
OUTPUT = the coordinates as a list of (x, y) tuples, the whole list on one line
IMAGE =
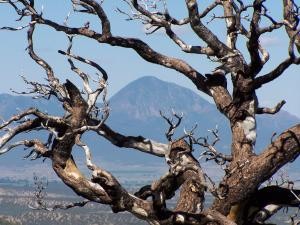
[(140, 143), (35, 112), (38, 148), (85, 7), (87, 152), (81, 59), (188, 48), (53, 81), (231, 21), (12, 132), (102, 85)]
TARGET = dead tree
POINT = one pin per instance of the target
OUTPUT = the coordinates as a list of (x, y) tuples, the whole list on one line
[(239, 198)]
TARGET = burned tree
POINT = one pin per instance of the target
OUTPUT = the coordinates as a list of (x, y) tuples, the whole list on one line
[(239, 198)]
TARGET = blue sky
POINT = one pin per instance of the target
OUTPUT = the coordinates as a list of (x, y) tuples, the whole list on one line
[(124, 65)]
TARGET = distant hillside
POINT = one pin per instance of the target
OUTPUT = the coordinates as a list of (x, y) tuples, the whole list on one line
[(11, 104), (135, 111)]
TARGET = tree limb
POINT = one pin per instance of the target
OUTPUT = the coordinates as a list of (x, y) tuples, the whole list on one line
[(12, 132), (253, 43), (261, 80), (53, 81), (274, 110), (258, 169), (203, 32), (140, 143), (291, 15)]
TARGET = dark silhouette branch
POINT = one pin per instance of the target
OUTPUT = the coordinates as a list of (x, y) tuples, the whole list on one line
[(278, 71), (274, 110), (267, 201)]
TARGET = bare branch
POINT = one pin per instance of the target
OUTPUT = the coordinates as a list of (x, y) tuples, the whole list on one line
[(58, 206), (291, 15), (253, 43), (274, 110), (15, 28), (274, 26), (188, 48), (259, 81), (87, 152), (209, 8), (102, 85), (203, 32), (93, 5), (131, 43), (53, 81), (158, 20), (36, 112), (12, 132), (173, 126), (85, 8), (89, 62), (265, 54), (40, 198), (95, 127), (231, 21), (140, 47), (103, 187), (268, 201), (40, 90), (140, 143), (284, 149), (212, 153), (43, 121), (39, 149), (245, 170)]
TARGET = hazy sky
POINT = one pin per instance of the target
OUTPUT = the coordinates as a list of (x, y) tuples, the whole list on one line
[(124, 65)]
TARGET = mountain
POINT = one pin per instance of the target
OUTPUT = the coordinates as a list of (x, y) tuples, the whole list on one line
[(143, 98), (141, 101), (135, 111), (136, 108)]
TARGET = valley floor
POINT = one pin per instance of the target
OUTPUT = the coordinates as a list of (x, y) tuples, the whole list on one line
[(16, 196)]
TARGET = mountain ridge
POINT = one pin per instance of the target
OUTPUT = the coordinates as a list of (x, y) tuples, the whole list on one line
[(126, 98)]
